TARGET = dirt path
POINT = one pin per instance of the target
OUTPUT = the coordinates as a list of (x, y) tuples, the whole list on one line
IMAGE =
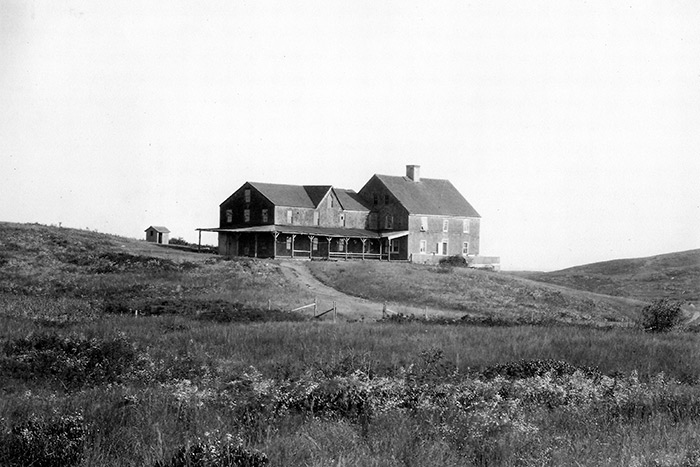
[(349, 308)]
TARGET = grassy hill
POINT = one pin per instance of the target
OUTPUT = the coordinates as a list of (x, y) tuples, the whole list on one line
[(100, 272), (673, 275), (476, 292), (206, 375)]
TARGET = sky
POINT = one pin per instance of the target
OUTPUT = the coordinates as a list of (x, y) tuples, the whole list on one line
[(573, 127)]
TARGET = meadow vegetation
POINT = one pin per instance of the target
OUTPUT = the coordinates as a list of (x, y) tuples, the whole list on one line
[(206, 375)]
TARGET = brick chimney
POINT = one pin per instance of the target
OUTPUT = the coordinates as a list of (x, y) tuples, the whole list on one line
[(413, 172)]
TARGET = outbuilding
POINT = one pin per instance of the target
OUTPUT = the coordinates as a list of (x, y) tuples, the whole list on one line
[(157, 234)]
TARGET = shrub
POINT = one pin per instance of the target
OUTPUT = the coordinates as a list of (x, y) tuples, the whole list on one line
[(71, 361), (661, 316), (455, 260), (178, 241), (216, 453), (48, 442)]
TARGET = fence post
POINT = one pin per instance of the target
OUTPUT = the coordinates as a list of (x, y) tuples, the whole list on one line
[(335, 311), (425, 311), (269, 304), (384, 310)]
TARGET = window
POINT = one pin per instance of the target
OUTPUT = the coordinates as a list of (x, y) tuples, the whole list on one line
[(441, 248), (423, 246), (445, 225), (373, 221), (444, 247), (229, 216), (423, 224), (246, 195), (376, 198), (264, 215), (314, 244), (394, 246), (246, 215), (289, 243), (465, 248), (342, 220), (386, 198), (465, 226), (330, 201), (341, 244), (289, 216), (389, 221), (317, 219)]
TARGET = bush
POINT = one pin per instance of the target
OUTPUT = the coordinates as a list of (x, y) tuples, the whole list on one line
[(211, 452), (661, 316), (49, 442), (455, 261), (70, 361)]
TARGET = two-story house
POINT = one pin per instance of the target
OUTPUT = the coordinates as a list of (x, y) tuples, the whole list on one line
[(391, 218)]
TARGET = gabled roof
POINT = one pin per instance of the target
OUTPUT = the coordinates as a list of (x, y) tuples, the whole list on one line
[(317, 192), (158, 228), (429, 196), (285, 195), (350, 200)]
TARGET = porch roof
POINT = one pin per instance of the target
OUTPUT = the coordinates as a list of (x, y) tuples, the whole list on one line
[(306, 230)]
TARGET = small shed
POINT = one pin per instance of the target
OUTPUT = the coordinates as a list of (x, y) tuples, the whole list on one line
[(157, 234)]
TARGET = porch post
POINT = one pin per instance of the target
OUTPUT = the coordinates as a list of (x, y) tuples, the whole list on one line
[(364, 243), (347, 245), (381, 249), (293, 237), (329, 246), (311, 246), (255, 247), (274, 244), (199, 245), (389, 252)]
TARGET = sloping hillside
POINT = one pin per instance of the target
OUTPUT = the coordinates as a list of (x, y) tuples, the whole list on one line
[(78, 270), (474, 292), (673, 275)]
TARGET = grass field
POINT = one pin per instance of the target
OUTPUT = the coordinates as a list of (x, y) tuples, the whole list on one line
[(206, 375), (475, 291), (673, 275)]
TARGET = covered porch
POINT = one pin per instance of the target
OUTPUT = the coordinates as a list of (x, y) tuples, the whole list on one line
[(299, 242)]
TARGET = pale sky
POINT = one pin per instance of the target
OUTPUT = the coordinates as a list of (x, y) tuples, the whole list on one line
[(573, 127)]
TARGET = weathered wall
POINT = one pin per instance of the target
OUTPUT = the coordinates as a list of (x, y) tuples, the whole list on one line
[(236, 203), (385, 205), (434, 234)]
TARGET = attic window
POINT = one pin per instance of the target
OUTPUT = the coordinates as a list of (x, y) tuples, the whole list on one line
[(331, 201), (465, 226), (289, 216), (389, 221), (445, 225), (229, 216), (246, 195), (246, 215), (376, 198), (386, 198), (264, 215)]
